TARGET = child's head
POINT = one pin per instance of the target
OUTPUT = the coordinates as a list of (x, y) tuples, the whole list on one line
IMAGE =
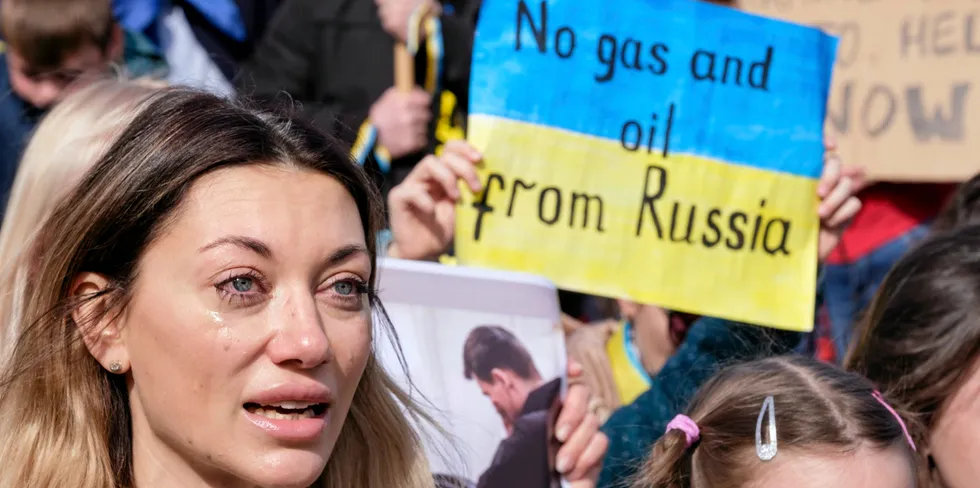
[(52, 43), (831, 429)]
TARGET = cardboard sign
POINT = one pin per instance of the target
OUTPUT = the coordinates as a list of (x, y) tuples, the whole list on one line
[(903, 102), (441, 312), (665, 152)]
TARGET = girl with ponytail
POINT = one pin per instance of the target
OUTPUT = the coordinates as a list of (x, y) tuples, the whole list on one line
[(784, 422)]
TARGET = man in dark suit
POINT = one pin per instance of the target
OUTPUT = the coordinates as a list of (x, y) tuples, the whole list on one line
[(506, 374)]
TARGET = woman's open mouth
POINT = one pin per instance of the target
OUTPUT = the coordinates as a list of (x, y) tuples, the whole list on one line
[(288, 410)]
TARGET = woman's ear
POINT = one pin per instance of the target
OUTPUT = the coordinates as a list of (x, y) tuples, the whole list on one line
[(98, 323)]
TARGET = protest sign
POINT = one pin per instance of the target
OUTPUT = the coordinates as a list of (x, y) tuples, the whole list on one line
[(448, 317), (902, 98), (665, 151)]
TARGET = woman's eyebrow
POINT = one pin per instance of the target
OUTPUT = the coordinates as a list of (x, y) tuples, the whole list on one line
[(345, 253), (262, 249), (247, 243)]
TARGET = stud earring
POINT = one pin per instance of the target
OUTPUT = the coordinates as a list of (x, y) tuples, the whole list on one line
[(115, 367)]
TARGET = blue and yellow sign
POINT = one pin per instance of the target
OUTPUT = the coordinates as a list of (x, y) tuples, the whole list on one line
[(664, 151)]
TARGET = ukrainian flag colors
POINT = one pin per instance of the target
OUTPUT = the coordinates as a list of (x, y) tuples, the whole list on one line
[(615, 165)]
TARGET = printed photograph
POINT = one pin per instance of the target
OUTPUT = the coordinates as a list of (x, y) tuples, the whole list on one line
[(491, 379)]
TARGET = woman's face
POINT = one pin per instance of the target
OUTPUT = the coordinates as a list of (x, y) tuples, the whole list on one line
[(954, 442), (248, 331)]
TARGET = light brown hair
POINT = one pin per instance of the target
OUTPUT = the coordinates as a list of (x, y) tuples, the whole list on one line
[(817, 406), (921, 334), (64, 146), (72, 418), (44, 32)]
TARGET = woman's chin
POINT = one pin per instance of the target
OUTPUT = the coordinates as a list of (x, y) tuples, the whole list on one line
[(292, 468)]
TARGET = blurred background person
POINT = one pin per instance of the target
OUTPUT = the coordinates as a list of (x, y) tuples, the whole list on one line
[(65, 145), (336, 59), (51, 46), (620, 357), (920, 343), (204, 41), (894, 217)]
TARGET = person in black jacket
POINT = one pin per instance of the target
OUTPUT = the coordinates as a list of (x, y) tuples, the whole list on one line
[(506, 374), (336, 59)]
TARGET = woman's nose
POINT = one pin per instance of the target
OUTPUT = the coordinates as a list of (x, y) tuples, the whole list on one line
[(301, 339)]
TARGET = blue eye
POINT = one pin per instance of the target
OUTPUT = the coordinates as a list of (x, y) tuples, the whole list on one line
[(243, 288), (242, 284), (345, 288)]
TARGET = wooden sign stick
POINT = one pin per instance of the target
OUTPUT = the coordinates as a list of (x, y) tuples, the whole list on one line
[(404, 61)]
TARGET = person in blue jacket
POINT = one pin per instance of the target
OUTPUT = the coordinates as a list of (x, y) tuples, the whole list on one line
[(50, 47)]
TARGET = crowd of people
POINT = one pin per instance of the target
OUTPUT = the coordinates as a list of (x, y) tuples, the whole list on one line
[(195, 197)]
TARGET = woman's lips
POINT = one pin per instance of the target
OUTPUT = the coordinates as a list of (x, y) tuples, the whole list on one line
[(290, 412), (298, 392), (289, 424)]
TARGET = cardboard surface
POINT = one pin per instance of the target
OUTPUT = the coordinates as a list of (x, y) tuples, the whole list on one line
[(904, 101)]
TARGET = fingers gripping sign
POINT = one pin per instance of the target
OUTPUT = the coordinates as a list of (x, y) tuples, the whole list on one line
[(838, 203), (423, 206), (583, 446)]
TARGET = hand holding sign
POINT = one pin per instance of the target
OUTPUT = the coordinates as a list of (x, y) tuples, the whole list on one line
[(423, 206), (402, 119), (838, 205), (580, 456)]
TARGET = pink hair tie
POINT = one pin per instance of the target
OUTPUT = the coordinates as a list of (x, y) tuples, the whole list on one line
[(684, 424), (905, 430)]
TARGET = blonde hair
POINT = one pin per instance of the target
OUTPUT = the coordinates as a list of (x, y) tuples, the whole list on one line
[(72, 425), (65, 144)]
